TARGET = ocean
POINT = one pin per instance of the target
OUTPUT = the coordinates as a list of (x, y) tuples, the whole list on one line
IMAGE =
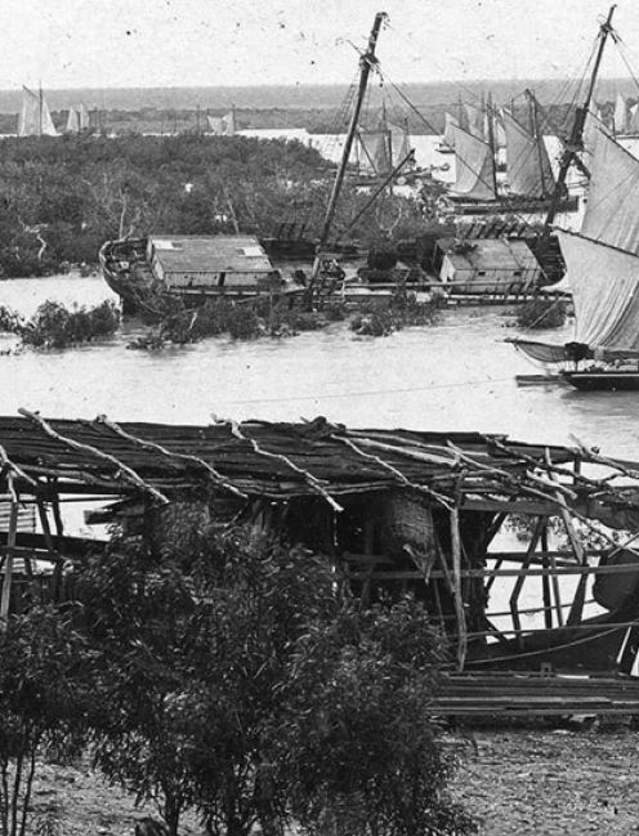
[(322, 97)]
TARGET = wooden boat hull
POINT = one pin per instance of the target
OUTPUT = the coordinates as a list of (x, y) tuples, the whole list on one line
[(512, 205), (125, 269), (603, 380)]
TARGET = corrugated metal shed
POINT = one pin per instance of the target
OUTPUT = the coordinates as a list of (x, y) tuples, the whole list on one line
[(195, 254)]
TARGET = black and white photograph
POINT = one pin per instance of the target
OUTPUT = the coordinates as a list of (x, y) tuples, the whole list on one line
[(319, 448)]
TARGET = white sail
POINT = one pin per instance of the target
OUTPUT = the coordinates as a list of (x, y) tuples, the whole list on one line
[(620, 118), (529, 171), (449, 130), (605, 286), (592, 126), (475, 168), (612, 211), (216, 125), (633, 120), (83, 118), (229, 127), (476, 125), (499, 131), (35, 118), (401, 144), (73, 122), (375, 152)]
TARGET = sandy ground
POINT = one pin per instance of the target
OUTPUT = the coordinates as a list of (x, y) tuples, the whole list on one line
[(550, 781), (516, 781)]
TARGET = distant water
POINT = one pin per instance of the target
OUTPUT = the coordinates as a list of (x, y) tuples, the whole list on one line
[(303, 96)]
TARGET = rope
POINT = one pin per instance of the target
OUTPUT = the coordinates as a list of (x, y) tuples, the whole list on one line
[(366, 393)]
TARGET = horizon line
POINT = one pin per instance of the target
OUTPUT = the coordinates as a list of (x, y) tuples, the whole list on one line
[(297, 85)]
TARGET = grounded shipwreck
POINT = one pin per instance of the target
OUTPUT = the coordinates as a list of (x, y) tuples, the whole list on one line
[(395, 511)]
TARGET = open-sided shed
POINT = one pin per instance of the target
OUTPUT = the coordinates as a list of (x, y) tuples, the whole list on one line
[(393, 510)]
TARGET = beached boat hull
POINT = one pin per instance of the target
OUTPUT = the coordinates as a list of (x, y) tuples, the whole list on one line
[(127, 272), (603, 380)]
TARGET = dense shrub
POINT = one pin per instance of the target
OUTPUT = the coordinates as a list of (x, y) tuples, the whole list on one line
[(234, 677), (55, 326), (542, 313)]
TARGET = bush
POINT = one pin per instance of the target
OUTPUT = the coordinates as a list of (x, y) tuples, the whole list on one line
[(55, 326), (43, 700), (542, 313), (234, 677)]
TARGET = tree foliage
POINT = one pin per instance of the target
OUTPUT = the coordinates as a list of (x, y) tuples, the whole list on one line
[(63, 197), (231, 674), (43, 698), (236, 679)]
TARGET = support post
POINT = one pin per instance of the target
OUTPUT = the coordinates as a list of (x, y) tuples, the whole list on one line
[(5, 599), (514, 597), (576, 611), (545, 581), (462, 639)]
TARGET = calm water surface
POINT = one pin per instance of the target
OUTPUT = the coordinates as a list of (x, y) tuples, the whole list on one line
[(456, 375)]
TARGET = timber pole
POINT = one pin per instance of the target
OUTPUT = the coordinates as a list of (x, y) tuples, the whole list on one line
[(575, 143), (366, 62)]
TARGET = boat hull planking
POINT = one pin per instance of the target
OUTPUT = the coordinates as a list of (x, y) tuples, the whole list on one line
[(603, 380)]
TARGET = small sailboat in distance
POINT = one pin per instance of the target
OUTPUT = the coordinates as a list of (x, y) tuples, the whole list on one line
[(35, 116)]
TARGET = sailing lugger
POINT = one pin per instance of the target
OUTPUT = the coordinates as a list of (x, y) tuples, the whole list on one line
[(602, 264)]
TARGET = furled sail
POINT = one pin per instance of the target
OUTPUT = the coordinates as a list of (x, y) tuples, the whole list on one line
[(35, 118), (612, 211), (476, 121), (475, 168), (605, 286), (529, 171), (73, 122), (449, 130), (375, 152), (620, 118)]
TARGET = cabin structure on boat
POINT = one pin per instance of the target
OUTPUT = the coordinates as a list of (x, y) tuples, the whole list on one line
[(393, 511), (486, 265), (193, 268), (193, 261)]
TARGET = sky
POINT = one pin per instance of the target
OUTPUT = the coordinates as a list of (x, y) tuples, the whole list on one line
[(175, 43)]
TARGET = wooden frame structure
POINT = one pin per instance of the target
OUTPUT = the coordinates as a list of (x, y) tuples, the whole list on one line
[(395, 510)]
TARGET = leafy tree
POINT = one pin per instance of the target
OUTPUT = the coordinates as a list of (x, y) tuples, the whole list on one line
[(43, 697), (234, 678), (363, 744)]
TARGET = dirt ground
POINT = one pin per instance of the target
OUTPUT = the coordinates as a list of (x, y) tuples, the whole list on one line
[(550, 781), (518, 780)]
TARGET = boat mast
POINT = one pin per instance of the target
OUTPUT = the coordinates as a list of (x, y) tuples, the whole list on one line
[(366, 62), (575, 143), (539, 138), (491, 139)]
